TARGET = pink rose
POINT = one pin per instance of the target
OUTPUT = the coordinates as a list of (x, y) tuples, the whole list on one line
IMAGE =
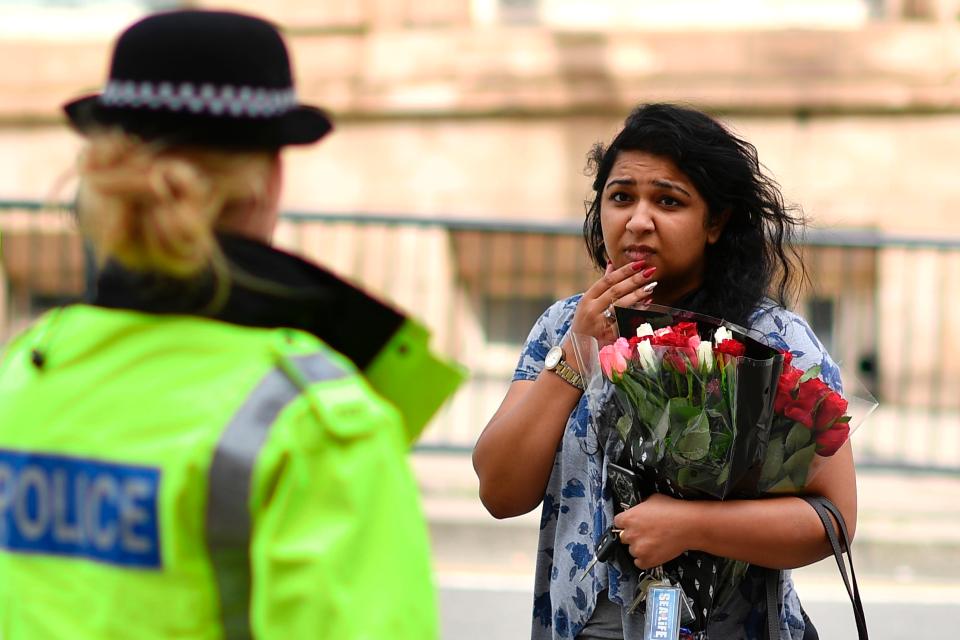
[(623, 346), (612, 362)]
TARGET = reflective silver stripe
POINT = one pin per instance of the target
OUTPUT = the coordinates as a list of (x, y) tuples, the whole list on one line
[(228, 521), (217, 100)]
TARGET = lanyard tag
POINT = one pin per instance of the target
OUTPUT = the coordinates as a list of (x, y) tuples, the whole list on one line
[(663, 613)]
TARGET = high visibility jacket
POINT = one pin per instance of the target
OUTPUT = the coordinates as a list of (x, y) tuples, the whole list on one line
[(178, 477)]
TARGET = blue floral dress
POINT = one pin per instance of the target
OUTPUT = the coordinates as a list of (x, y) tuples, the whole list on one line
[(577, 508)]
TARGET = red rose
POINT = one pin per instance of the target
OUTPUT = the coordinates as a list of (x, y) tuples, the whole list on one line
[(686, 329), (832, 407), (785, 386), (731, 348), (633, 342), (832, 439), (787, 359), (678, 359), (669, 339), (809, 394), (815, 386)]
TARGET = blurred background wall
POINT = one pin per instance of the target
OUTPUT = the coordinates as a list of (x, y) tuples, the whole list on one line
[(454, 182)]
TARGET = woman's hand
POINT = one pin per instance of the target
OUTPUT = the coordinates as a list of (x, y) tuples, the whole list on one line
[(656, 530), (776, 532), (627, 286)]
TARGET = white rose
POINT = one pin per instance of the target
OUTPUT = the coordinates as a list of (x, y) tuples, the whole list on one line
[(648, 358), (705, 356), (644, 330), (722, 334)]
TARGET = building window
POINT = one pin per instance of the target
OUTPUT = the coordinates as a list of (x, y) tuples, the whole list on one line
[(820, 313), (519, 11), (508, 319)]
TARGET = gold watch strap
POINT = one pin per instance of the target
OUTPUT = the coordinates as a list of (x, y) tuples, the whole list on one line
[(570, 376)]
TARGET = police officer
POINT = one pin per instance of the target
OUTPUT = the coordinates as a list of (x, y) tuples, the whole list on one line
[(187, 457)]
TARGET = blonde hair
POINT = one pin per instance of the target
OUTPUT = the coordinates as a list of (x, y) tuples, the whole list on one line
[(154, 208)]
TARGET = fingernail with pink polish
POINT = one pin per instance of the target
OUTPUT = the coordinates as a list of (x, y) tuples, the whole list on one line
[(646, 273)]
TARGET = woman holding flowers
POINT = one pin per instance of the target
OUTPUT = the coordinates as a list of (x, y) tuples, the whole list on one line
[(682, 215)]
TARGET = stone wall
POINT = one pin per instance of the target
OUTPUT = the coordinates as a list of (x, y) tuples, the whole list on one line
[(859, 126), (439, 118)]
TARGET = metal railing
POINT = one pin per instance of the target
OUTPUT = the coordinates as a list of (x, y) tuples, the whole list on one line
[(882, 304)]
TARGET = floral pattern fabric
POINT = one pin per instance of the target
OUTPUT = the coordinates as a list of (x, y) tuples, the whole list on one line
[(577, 508)]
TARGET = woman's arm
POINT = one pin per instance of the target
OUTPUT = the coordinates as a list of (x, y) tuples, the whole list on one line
[(780, 533), (515, 453)]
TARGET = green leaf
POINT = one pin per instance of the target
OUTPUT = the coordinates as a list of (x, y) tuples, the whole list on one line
[(662, 427), (623, 427), (646, 401), (720, 445), (682, 410), (797, 465), (772, 463), (798, 438), (684, 476), (731, 372), (694, 443), (810, 374), (730, 384), (723, 475)]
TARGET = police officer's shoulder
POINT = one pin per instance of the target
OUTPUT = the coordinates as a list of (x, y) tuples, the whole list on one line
[(306, 349), (15, 344), (22, 344), (332, 392)]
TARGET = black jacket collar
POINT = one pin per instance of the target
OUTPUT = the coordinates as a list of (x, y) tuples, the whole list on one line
[(266, 288)]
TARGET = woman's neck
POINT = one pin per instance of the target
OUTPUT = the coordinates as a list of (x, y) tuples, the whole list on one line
[(669, 297)]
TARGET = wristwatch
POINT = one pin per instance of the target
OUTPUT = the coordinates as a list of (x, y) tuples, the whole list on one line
[(555, 362)]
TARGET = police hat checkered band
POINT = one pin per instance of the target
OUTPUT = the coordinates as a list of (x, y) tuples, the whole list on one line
[(209, 99), (209, 78)]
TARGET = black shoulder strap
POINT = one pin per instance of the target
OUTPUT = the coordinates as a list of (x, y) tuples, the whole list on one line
[(773, 604), (824, 509)]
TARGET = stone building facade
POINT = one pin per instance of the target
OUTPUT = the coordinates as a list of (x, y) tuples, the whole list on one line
[(485, 110)]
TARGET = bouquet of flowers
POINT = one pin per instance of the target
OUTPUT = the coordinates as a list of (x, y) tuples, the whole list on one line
[(698, 408), (680, 393), (810, 423)]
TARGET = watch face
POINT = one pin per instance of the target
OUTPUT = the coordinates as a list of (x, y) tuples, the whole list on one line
[(553, 357)]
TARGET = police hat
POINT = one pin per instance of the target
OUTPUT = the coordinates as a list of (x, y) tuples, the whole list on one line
[(208, 78)]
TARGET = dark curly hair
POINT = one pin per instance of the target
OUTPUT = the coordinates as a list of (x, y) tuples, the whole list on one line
[(756, 255)]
